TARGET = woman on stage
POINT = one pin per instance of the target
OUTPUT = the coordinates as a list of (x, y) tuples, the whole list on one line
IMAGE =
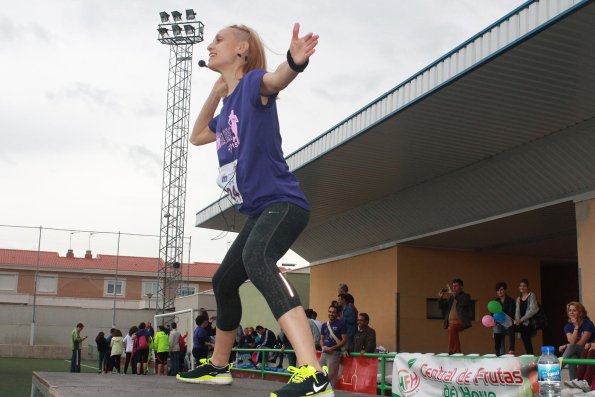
[(253, 172)]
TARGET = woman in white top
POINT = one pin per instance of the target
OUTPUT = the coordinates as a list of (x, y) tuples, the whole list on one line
[(129, 345), (526, 307)]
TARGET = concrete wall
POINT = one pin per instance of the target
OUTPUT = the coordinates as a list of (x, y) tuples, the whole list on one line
[(54, 324)]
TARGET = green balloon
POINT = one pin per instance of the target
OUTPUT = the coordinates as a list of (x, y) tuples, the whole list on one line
[(494, 307)]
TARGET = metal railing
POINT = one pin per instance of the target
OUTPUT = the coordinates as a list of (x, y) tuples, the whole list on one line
[(381, 386)]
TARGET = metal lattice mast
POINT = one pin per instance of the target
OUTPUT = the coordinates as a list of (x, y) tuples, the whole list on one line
[(173, 195)]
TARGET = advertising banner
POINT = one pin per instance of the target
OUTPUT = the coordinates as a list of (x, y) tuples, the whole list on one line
[(423, 375), (358, 374)]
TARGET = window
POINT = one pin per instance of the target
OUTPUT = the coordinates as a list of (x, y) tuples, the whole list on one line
[(185, 290), (9, 282), (47, 284), (150, 287), (112, 285), (433, 311)]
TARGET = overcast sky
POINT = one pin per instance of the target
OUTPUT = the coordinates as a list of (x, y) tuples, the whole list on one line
[(83, 97)]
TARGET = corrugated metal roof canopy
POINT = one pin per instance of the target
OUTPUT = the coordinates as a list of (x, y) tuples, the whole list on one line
[(401, 169)]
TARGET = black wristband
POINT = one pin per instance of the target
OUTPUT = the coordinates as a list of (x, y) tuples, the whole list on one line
[(293, 66)]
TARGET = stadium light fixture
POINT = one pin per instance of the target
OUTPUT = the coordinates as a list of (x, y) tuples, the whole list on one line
[(163, 32), (176, 29), (177, 16), (190, 14), (189, 29), (164, 16)]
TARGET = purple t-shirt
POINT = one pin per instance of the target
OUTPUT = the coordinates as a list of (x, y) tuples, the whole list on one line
[(200, 337), (248, 132), (586, 326), (339, 328)]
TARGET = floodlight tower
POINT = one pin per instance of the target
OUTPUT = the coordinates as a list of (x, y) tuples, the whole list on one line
[(180, 36)]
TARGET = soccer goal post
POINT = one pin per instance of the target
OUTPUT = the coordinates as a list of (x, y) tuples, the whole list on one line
[(185, 322)]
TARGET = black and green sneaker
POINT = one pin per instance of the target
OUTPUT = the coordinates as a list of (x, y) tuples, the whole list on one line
[(207, 373), (306, 382)]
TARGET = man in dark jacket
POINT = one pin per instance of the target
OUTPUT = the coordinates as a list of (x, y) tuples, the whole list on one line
[(456, 310)]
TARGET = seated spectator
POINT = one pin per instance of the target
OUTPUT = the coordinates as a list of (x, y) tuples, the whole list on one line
[(579, 331), (365, 337), (586, 373), (267, 340)]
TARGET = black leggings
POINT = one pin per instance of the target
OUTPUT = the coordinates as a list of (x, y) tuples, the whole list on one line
[(264, 239), (526, 335)]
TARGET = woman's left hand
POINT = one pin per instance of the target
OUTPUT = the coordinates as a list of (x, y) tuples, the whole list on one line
[(302, 48), (562, 348)]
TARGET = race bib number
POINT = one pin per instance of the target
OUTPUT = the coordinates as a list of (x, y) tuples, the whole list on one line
[(227, 181)]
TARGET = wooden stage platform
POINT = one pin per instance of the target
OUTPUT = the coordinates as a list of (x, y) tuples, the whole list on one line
[(64, 384)]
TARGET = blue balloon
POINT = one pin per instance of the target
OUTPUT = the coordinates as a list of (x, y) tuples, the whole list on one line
[(500, 317)]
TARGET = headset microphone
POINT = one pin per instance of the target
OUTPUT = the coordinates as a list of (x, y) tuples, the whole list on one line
[(202, 64)]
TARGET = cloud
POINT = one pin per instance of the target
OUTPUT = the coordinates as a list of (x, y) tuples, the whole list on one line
[(149, 108), (87, 93), (145, 160), (11, 32)]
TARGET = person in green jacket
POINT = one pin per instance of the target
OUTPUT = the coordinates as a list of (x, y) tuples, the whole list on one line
[(161, 346), (76, 344)]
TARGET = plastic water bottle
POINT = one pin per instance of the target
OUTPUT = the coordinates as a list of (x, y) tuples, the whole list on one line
[(548, 373)]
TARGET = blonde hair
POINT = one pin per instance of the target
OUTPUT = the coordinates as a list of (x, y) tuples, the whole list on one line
[(582, 312), (255, 58)]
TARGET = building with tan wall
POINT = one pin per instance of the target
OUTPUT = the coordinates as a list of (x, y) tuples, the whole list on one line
[(100, 291), (479, 166)]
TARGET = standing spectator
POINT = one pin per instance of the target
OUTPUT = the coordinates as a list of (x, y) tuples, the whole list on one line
[(500, 332), (108, 353), (201, 339), (210, 328), (579, 331), (338, 307), (161, 346), (76, 344), (365, 338), (174, 349), (142, 339), (343, 289), (316, 320), (129, 350), (349, 317), (116, 345), (184, 352), (332, 339), (314, 329), (456, 310), (101, 343), (526, 307)]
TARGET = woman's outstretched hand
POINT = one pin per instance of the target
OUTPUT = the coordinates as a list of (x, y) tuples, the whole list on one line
[(302, 48)]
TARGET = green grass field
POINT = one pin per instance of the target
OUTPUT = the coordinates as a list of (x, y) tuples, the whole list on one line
[(16, 373)]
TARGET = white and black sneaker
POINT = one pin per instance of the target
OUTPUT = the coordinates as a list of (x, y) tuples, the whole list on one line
[(306, 382), (207, 373)]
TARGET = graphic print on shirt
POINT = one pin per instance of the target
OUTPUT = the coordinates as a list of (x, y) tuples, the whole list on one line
[(229, 139)]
